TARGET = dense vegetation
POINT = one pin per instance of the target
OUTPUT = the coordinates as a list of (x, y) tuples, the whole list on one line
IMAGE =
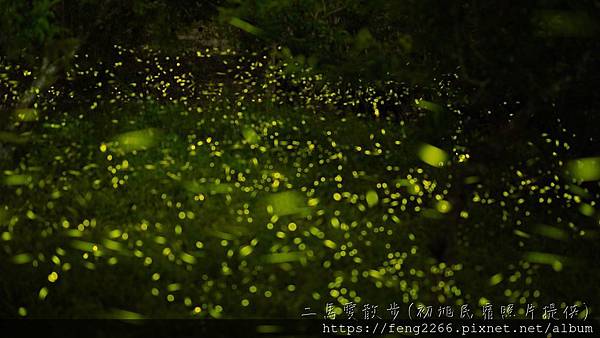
[(325, 152)]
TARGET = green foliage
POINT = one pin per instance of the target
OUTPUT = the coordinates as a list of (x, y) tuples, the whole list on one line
[(188, 193), (584, 169), (372, 198), (27, 25), (210, 182), (135, 140), (32, 27), (432, 155)]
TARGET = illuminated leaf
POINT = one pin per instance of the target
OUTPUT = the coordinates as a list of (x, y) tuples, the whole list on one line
[(208, 188), (27, 114), (84, 246), (584, 169), (186, 257), (250, 135), (22, 258), (283, 257), (221, 234), (174, 287), (269, 329), (375, 274), (363, 39), (412, 188), (137, 140), (587, 210), (125, 315), (472, 179), (550, 232), (372, 198), (555, 261), (245, 26), (428, 105), (432, 214), (522, 234), (496, 279), (287, 203), (74, 233), (17, 179), (432, 155), (112, 245), (578, 190)]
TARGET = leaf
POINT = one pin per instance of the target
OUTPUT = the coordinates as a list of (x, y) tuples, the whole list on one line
[(577, 190), (173, 287), (372, 198), (277, 258), (472, 179), (545, 258), (125, 315), (412, 188), (136, 140), (550, 232), (208, 188), (428, 105), (186, 257), (375, 274), (112, 245), (496, 279), (432, 214), (587, 210), (250, 135), (84, 246), (245, 26), (17, 180), (22, 258), (521, 234), (584, 169), (27, 114), (432, 155), (287, 203), (364, 39)]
